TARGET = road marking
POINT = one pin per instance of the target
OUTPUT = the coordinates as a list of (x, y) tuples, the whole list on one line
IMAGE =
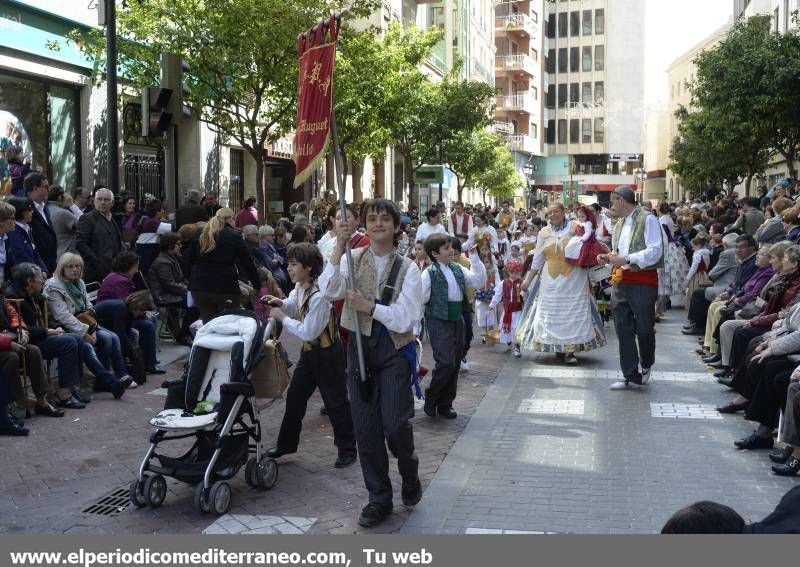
[(551, 407), (675, 410), (612, 375), (485, 531), (248, 524)]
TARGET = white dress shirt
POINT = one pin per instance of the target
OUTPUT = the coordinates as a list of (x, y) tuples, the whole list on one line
[(40, 207), (400, 316), (317, 318), (652, 238), (479, 231), (459, 223), (474, 278), (426, 229)]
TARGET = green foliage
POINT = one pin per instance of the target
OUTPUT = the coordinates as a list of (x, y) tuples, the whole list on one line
[(472, 155), (501, 179)]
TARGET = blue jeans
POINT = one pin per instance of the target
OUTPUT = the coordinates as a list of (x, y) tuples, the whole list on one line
[(147, 341), (109, 352), (67, 349)]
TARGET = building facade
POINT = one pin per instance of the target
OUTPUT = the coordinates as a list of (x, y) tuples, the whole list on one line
[(594, 96)]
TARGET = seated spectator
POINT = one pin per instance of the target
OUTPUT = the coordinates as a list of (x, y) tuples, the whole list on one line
[(787, 458), (98, 237), (250, 236), (16, 350), (266, 242), (70, 307), (168, 284), (129, 221), (791, 224), (248, 215), (126, 318), (20, 240), (151, 227), (750, 217), (7, 214), (119, 283), (26, 286), (771, 230), (188, 233), (269, 286)]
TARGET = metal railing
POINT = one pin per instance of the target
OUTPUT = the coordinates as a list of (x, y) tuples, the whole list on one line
[(519, 62), (517, 21), (522, 101), (520, 143)]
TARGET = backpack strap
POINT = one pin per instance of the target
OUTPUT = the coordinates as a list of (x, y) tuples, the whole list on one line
[(388, 289)]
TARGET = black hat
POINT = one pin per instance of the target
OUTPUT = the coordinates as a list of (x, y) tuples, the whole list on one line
[(626, 193), (432, 213), (20, 205)]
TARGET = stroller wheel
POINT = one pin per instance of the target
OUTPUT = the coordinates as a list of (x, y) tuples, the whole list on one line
[(267, 473), (200, 499), (155, 490), (136, 492), (250, 472), (219, 497)]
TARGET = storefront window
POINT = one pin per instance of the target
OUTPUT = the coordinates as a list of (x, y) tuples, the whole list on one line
[(41, 118)]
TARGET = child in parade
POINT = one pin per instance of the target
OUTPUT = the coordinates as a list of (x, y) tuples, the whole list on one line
[(698, 271), (469, 304), (590, 247), (308, 315), (387, 303), (486, 318), (511, 298), (444, 291), (503, 248)]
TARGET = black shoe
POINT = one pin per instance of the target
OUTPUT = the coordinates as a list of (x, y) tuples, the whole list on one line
[(344, 460), (82, 398), (276, 452), (48, 411), (713, 359), (412, 494), (723, 373), (448, 413), (323, 410), (70, 403), (373, 514), (735, 408), (781, 454), (13, 430), (156, 370), (119, 388), (791, 468), (687, 326), (754, 441), (727, 382), (718, 365), (429, 409), (692, 331)]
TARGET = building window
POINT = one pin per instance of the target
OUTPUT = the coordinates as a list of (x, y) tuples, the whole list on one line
[(600, 21), (574, 62), (574, 23), (562, 95), (574, 93), (587, 93), (534, 55), (599, 130), (550, 132), (550, 97), (562, 24), (599, 92), (534, 131), (587, 58), (550, 61), (562, 131), (535, 93), (587, 22), (599, 57), (586, 128), (563, 64), (574, 131), (534, 16), (550, 26)]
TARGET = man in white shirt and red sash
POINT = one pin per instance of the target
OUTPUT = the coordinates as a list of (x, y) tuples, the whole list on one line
[(638, 251), (460, 222)]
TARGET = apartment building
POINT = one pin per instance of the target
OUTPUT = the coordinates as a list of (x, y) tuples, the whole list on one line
[(780, 10), (594, 95)]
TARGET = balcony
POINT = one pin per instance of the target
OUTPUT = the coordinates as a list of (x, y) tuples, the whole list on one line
[(520, 24), (515, 103), (515, 63), (521, 143)]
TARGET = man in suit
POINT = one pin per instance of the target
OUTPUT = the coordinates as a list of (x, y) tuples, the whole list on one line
[(98, 238), (191, 211), (63, 221), (44, 237), (728, 280)]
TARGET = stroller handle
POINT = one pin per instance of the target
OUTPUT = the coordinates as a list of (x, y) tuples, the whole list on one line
[(270, 329)]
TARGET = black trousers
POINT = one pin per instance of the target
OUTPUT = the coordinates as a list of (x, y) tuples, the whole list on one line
[(698, 308), (323, 369), (769, 396), (447, 343), (382, 418), (634, 322), (741, 344)]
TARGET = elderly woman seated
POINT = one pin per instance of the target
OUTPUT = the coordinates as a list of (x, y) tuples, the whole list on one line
[(120, 317), (71, 309), (26, 287), (119, 284), (787, 458), (168, 284)]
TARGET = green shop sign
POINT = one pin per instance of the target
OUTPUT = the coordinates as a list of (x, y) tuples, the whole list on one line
[(33, 31)]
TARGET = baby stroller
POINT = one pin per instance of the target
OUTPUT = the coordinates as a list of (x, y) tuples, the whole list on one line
[(214, 403)]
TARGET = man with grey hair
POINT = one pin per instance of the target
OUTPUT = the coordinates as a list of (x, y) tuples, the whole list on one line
[(191, 211), (638, 251), (98, 238)]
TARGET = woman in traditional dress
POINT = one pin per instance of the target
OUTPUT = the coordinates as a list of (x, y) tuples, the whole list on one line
[(560, 315), (672, 277)]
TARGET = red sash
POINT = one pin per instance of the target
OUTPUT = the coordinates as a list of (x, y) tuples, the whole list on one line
[(512, 302), (644, 277)]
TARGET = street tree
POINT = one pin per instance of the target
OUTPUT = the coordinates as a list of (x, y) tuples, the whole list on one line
[(471, 155), (501, 179), (242, 55)]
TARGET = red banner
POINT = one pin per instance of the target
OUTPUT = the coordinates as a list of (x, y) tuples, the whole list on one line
[(314, 97)]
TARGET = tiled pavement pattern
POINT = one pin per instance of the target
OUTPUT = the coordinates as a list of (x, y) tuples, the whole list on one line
[(530, 461), (66, 465), (547, 449)]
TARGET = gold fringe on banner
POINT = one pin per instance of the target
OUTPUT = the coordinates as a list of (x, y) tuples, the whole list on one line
[(301, 176)]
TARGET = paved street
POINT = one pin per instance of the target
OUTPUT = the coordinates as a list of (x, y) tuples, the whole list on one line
[(538, 447)]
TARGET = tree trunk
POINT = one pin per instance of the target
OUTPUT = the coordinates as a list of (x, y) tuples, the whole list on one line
[(747, 183), (357, 167), (790, 159), (380, 179), (261, 199), (408, 174), (483, 196)]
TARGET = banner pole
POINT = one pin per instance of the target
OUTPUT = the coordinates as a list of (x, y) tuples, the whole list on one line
[(340, 180)]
